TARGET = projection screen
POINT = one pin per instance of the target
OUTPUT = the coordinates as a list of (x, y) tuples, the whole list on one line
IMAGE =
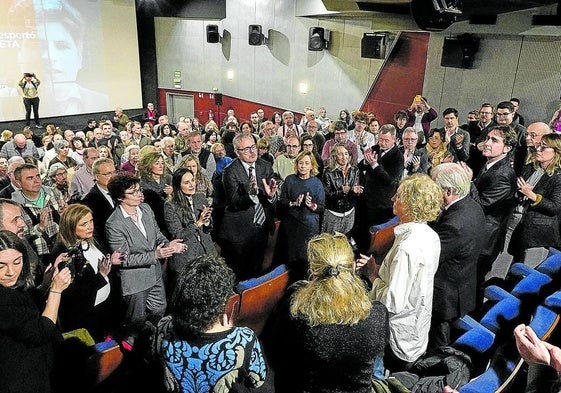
[(84, 53)]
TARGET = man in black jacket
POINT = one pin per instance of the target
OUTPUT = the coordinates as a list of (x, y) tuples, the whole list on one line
[(459, 228)]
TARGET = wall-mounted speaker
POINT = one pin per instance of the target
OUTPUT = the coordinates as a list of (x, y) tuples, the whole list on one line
[(256, 35), (212, 34), (459, 52), (373, 45), (217, 99), (318, 38)]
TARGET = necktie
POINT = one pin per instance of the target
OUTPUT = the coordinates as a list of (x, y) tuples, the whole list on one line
[(259, 215)]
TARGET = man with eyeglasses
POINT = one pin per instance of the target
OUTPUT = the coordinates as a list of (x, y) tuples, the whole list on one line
[(284, 164), (477, 133), (98, 198), (505, 117), (360, 136), (534, 134), (317, 137), (414, 160), (250, 193), (276, 143), (340, 133)]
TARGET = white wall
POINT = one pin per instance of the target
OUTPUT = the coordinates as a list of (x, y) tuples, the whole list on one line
[(338, 78)]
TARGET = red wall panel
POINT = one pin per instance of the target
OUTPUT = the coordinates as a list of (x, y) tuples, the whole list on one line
[(400, 79), (205, 103)]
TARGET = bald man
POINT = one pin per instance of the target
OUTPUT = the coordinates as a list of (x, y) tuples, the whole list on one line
[(20, 146)]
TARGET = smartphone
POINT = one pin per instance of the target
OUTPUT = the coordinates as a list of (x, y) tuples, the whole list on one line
[(418, 98)]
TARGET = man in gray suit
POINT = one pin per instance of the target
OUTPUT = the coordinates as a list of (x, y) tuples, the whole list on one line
[(132, 229)]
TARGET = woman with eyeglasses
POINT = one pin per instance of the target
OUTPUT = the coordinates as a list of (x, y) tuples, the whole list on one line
[(539, 192), (301, 203), (62, 149), (404, 281), (328, 333), (133, 230)]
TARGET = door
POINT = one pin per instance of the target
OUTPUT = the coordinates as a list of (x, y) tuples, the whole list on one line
[(179, 105)]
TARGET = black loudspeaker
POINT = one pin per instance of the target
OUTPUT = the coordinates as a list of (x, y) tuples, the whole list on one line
[(212, 34), (255, 35), (459, 52), (217, 99), (318, 38), (373, 45)]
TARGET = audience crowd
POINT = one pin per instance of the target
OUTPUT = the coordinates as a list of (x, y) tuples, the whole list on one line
[(123, 227)]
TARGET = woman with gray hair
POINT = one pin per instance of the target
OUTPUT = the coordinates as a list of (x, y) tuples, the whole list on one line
[(62, 149), (57, 177)]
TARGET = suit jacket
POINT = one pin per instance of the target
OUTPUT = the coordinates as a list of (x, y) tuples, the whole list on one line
[(101, 209), (240, 209), (461, 238), (421, 153), (494, 190), (180, 226), (141, 270), (380, 183), (539, 226)]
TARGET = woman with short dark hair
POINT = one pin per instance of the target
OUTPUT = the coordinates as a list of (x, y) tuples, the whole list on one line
[(26, 335), (201, 351)]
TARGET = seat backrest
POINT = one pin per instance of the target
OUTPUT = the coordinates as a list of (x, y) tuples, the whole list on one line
[(233, 308), (382, 238), (259, 296)]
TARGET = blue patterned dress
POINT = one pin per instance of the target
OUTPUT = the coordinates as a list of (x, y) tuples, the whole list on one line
[(213, 361)]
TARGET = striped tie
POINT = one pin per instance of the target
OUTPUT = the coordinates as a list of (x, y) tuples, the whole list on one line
[(259, 215)]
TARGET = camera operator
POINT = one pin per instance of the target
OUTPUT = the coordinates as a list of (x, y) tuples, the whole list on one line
[(29, 85), (87, 302)]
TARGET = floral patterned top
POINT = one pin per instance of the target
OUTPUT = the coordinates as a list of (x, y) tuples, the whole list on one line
[(211, 362)]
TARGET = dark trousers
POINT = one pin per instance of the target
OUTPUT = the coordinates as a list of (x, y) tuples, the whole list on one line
[(245, 257), (31, 103)]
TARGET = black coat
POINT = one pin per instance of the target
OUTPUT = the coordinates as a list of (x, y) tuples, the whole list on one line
[(101, 209), (539, 226), (380, 184), (461, 238), (494, 190)]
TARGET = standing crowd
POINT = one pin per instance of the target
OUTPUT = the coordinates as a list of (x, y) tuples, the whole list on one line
[(125, 226)]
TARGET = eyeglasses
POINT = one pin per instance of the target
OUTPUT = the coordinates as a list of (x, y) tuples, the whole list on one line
[(134, 192), (248, 149), (504, 114), (409, 139), (543, 147)]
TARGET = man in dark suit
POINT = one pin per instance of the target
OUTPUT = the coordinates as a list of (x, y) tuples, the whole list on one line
[(494, 189), (414, 160), (98, 198), (477, 133), (248, 219), (383, 169), (459, 228)]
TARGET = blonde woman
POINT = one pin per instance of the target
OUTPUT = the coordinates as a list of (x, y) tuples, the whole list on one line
[(330, 333), (404, 281)]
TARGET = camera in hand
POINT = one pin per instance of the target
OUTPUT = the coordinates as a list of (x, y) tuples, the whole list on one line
[(75, 260)]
